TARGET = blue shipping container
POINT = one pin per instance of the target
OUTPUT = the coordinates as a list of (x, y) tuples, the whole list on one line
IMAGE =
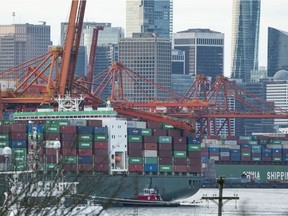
[(19, 144), (38, 128), (100, 130), (134, 131), (84, 130), (150, 168), (193, 140), (85, 159), (213, 149), (235, 151)]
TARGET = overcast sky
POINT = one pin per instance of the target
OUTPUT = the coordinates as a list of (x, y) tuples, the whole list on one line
[(213, 14)]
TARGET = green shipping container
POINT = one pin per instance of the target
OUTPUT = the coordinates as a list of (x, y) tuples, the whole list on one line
[(100, 137), (134, 138), (246, 154), (84, 144), (51, 166), (19, 151), (19, 167), (263, 142), (165, 168), (64, 122), (85, 137), (69, 159), (4, 136), (135, 160), (4, 143), (166, 126), (179, 154), (256, 159), (277, 159), (165, 139), (150, 160), (195, 148), (52, 129), (146, 132), (277, 142)]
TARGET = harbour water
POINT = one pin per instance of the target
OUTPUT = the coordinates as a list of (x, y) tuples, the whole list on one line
[(252, 202)]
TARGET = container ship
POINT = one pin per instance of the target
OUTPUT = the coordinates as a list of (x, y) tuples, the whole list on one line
[(108, 155), (260, 159)]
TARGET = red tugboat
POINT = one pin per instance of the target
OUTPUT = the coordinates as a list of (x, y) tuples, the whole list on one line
[(149, 194)]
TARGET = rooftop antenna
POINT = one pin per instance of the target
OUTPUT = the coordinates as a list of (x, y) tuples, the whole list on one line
[(13, 15)]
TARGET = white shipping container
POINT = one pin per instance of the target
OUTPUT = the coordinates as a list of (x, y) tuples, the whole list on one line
[(78, 122), (234, 147), (224, 154), (215, 158), (150, 153), (131, 124), (230, 142), (284, 146), (141, 124), (273, 146)]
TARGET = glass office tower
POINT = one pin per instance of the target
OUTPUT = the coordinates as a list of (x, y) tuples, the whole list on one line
[(245, 38)]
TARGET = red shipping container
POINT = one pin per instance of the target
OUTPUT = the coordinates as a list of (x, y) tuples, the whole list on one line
[(94, 123), (136, 146), (100, 152), (100, 145), (50, 151), (85, 167), (165, 160), (101, 167), (69, 167), (68, 144), (173, 133), (69, 136), (18, 128), (135, 168), (179, 140), (51, 136), (150, 139), (150, 146), (163, 153), (179, 147), (194, 169), (4, 129), (51, 159), (101, 159), (180, 168), (135, 153), (153, 125), (164, 146), (69, 151), (193, 154), (159, 132), (85, 152), (180, 161), (194, 161), (18, 136), (68, 129)]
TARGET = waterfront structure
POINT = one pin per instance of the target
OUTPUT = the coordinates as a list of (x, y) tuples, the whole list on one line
[(204, 51), (149, 56), (21, 42), (149, 16), (277, 51), (245, 38)]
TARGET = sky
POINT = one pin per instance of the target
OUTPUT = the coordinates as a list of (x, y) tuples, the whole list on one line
[(213, 14)]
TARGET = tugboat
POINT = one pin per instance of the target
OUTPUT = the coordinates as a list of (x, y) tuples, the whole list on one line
[(149, 194)]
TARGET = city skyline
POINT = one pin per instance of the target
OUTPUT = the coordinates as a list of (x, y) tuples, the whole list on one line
[(187, 14)]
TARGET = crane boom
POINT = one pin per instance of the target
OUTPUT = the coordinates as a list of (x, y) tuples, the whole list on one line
[(92, 56), (71, 46)]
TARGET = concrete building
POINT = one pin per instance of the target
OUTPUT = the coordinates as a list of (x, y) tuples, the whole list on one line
[(22, 42), (204, 51), (149, 56), (277, 51), (149, 16), (178, 62), (245, 38)]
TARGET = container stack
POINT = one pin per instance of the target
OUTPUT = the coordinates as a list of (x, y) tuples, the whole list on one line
[(84, 148), (19, 146), (68, 147), (101, 148), (194, 154), (4, 142)]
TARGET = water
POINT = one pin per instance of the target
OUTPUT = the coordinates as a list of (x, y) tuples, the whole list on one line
[(252, 202)]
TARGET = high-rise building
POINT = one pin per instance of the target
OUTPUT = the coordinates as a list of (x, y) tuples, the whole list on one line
[(277, 51), (148, 56), (204, 51), (21, 42), (245, 38), (149, 16)]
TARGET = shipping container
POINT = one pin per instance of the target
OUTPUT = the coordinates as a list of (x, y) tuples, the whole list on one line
[(86, 137), (18, 143), (165, 139), (164, 153), (165, 168), (150, 167), (69, 159), (134, 131), (135, 160), (150, 146), (135, 168), (135, 145), (100, 145), (84, 129), (165, 160), (69, 151), (150, 160), (85, 152), (179, 154), (101, 160), (101, 168), (146, 132), (164, 146), (85, 160), (193, 147), (84, 144), (134, 138), (150, 153), (180, 168), (100, 130)]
